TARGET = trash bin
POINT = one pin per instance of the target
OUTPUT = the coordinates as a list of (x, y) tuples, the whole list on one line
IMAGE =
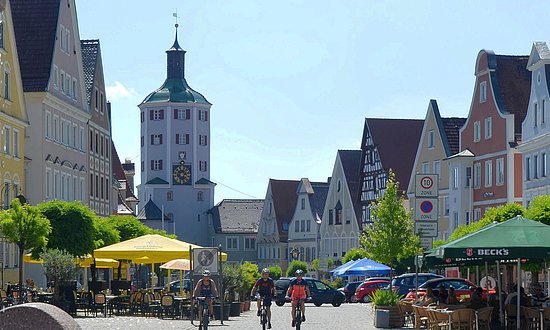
[(382, 318)]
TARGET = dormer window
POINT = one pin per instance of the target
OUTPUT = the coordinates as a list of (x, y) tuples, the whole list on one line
[(483, 92)]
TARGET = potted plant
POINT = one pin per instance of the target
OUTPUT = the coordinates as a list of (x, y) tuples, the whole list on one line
[(60, 268), (386, 300)]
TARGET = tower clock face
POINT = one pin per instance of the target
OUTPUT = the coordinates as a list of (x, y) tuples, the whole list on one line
[(181, 174)]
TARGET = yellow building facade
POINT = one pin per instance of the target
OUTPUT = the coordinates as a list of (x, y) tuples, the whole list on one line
[(13, 122)]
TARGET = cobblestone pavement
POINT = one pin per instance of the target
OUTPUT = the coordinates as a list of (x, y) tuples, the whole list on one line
[(347, 316)]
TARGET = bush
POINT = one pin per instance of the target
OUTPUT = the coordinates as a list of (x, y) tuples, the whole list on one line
[(59, 267), (249, 275), (385, 298), (294, 266), (336, 284)]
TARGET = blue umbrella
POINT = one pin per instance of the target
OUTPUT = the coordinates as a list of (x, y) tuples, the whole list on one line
[(364, 267), (341, 267)]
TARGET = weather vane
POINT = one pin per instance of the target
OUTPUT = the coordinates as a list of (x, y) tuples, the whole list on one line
[(176, 16)]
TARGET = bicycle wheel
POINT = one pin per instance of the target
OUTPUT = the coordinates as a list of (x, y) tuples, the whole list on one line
[(298, 318), (264, 319), (205, 319)]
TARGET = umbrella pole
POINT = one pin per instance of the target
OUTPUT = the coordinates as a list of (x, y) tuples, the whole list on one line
[(169, 279), (500, 302), (486, 279), (518, 296), (152, 277), (181, 284)]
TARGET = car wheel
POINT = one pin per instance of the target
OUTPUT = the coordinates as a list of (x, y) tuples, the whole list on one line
[(366, 299), (353, 299), (318, 304), (279, 303), (336, 303)]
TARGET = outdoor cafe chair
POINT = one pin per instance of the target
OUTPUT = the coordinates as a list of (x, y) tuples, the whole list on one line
[(82, 302), (4, 299), (135, 302), (167, 306), (99, 304), (406, 309), (511, 314), (483, 317), (463, 319), (149, 305), (437, 320), (546, 318), (420, 317), (532, 318)]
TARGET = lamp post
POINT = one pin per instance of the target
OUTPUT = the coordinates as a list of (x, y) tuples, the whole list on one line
[(295, 253)]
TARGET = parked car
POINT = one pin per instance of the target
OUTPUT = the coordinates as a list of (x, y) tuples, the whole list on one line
[(320, 292), (365, 290), (349, 290), (404, 283), (463, 287)]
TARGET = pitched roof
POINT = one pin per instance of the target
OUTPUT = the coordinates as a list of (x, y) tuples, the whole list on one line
[(205, 181), (283, 193), (90, 51), (511, 83), (396, 141), (318, 198), (35, 25), (151, 212), (157, 180), (351, 164), (118, 172), (452, 127), (237, 215)]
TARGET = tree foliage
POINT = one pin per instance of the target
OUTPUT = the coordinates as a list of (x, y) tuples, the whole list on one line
[(105, 233), (539, 209), (391, 237), (354, 254), (294, 266), (59, 267), (72, 226), (275, 272), (26, 227), (130, 227), (249, 275)]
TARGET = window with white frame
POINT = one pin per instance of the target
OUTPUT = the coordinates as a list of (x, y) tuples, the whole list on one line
[(74, 88), (62, 81), (477, 214), (7, 81), (535, 166), (477, 175), (156, 139), (467, 217), (56, 184), (483, 92), (468, 182), (81, 139), (426, 167), (477, 131), (7, 141), (47, 125), (296, 226), (488, 127), (55, 128), (16, 143), (535, 114), (203, 140), (202, 166), (437, 168), (182, 138), (543, 111), (527, 168), (75, 136), (303, 203), (455, 177), (232, 243), (48, 183), (156, 165), (55, 77), (455, 220), (446, 205), (543, 164), (203, 115), (158, 114), (250, 243), (431, 139), (488, 173), (500, 172)]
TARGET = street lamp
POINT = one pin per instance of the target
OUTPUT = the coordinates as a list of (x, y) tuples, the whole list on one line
[(295, 253)]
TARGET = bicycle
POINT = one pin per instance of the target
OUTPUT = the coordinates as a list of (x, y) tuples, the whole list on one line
[(298, 311), (203, 322), (263, 312)]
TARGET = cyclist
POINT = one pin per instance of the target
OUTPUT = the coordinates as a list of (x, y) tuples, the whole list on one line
[(266, 288), (299, 290), (206, 288)]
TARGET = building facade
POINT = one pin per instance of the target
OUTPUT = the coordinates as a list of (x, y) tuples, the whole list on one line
[(99, 130), (341, 225), (13, 124), (535, 130), (234, 227), (51, 69), (438, 141), (303, 229), (386, 144), (491, 135), (175, 156)]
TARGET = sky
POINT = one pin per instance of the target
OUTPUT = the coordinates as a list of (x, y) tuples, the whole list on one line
[(291, 82)]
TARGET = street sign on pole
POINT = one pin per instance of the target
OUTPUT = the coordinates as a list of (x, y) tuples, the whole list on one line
[(426, 209), (426, 242), (427, 185), (205, 259), (425, 228)]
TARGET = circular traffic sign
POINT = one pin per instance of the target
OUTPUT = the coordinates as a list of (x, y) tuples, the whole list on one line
[(426, 182), (426, 207), (205, 258)]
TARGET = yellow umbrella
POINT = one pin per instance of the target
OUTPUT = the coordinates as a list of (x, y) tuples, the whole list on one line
[(82, 262)]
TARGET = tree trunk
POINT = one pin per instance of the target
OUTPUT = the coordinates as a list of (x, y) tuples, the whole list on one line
[(21, 252)]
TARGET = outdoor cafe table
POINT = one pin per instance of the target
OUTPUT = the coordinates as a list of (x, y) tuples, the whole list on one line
[(182, 302)]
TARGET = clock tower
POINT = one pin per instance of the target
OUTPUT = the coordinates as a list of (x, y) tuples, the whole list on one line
[(176, 193)]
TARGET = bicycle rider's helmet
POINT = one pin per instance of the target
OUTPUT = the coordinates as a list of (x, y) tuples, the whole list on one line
[(299, 271), (265, 270), (206, 272)]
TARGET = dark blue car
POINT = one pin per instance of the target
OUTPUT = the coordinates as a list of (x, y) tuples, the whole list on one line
[(320, 292)]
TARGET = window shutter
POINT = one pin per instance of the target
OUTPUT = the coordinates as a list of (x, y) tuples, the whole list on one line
[(187, 114), (205, 115), (206, 140), (160, 139), (177, 139), (152, 139), (160, 164), (151, 114), (161, 114), (152, 164), (186, 138), (175, 113)]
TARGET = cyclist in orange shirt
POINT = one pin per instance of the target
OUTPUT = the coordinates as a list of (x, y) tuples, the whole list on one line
[(298, 289)]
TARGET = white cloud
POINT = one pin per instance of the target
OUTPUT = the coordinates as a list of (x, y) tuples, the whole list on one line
[(119, 91)]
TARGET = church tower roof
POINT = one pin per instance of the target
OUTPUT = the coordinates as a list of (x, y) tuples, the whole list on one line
[(175, 88)]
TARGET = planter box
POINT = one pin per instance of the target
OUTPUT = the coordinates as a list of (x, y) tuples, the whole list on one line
[(217, 313), (234, 309), (395, 316)]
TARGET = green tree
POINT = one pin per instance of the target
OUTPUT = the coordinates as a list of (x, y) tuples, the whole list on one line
[(249, 275), (105, 233), (275, 272), (294, 266), (72, 226), (130, 227), (26, 227), (391, 238), (354, 254), (539, 209), (231, 279), (59, 267)]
